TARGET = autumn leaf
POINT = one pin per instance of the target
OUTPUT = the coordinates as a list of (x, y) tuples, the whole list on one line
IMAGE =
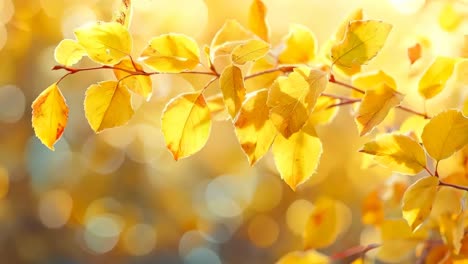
[(445, 134), (375, 106), (341, 31), (414, 126), (69, 52), (232, 87), (434, 79), (171, 53), (107, 105), (323, 112), (339, 36), (449, 18), (186, 124), (254, 129), (398, 240), (372, 209), (291, 99), (298, 156), (257, 19), (105, 42), (414, 53), (325, 223), (418, 200), (49, 115), (140, 84), (363, 40), (250, 51), (304, 257), (300, 46), (124, 15), (231, 31), (451, 228), (398, 152), (371, 80)]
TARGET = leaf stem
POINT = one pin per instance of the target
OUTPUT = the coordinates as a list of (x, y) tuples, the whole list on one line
[(361, 250), (459, 187), (406, 109), (283, 69)]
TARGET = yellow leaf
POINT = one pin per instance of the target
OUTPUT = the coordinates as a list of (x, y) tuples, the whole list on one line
[(371, 80), (375, 106), (322, 113), (341, 32), (414, 124), (124, 15), (447, 201), (254, 129), (171, 53), (452, 229), (231, 31), (264, 80), (363, 40), (414, 53), (398, 241), (462, 70), (397, 152), (304, 257), (69, 52), (418, 200), (298, 156), (140, 84), (105, 42), (434, 79), (107, 105), (321, 228), (232, 87), (445, 134), (291, 99), (252, 50), (217, 108), (257, 19), (465, 107), (49, 115), (186, 124), (449, 18), (372, 209), (300, 46)]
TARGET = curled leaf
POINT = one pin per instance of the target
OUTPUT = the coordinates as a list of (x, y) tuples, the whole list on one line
[(257, 19), (375, 106), (254, 129), (232, 87)]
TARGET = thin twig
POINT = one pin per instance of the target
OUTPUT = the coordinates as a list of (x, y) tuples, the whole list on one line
[(354, 251), (459, 187), (283, 69)]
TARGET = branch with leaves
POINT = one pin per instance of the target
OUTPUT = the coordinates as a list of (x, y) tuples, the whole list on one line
[(282, 115)]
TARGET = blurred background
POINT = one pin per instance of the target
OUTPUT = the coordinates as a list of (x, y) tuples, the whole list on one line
[(118, 197)]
